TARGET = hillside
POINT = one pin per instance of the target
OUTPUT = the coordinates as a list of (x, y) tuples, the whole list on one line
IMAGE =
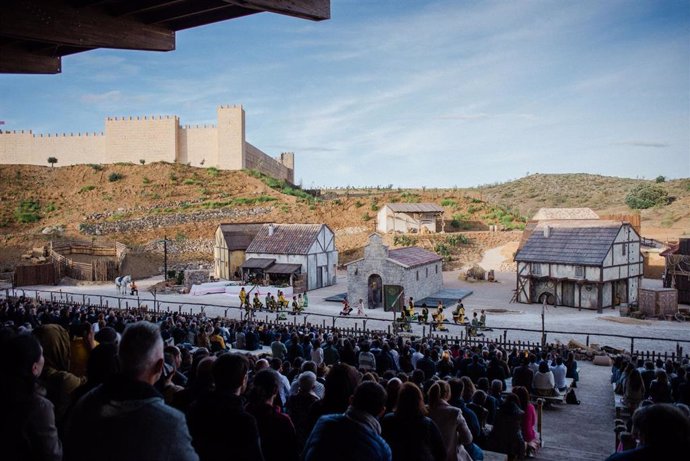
[(140, 204)]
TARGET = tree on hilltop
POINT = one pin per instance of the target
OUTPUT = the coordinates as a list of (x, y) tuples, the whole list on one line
[(646, 196), (52, 161)]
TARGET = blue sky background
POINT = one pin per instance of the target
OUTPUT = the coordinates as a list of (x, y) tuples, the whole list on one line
[(410, 93)]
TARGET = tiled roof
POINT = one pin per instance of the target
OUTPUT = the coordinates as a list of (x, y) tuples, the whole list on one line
[(239, 236), (294, 239), (415, 208), (577, 242), (413, 256), (565, 213)]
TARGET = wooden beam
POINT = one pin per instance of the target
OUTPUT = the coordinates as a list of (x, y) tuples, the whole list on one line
[(59, 23), (15, 60), (316, 10)]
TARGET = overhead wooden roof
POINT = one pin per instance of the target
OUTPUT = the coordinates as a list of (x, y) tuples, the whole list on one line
[(35, 34)]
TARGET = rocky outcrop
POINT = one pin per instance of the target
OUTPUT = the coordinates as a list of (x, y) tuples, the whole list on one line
[(166, 220)]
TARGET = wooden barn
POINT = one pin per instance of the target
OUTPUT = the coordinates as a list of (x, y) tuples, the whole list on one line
[(409, 217), (230, 243), (580, 263), (677, 271), (302, 253), (388, 277)]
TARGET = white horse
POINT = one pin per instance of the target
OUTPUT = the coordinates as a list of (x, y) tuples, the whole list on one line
[(122, 283)]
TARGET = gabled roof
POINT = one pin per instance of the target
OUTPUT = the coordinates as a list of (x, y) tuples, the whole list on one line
[(239, 236), (414, 207), (258, 263), (412, 256), (583, 243), (564, 213), (295, 239)]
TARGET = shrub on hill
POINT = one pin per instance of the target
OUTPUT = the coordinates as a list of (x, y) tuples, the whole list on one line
[(27, 211), (646, 196)]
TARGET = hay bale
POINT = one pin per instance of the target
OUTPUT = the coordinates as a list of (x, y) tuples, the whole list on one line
[(602, 360), (476, 272)]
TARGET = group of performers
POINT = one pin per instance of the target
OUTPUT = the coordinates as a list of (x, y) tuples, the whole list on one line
[(347, 309), (298, 304), (408, 315)]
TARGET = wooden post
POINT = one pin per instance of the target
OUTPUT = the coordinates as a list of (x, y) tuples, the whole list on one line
[(632, 344), (51, 296), (83, 299), (505, 336), (540, 407), (119, 303)]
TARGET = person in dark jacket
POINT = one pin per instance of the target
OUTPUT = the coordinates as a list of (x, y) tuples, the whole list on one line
[(217, 420), (409, 432), (506, 434), (341, 382), (27, 419), (126, 418), (353, 435), (663, 431), (276, 431), (523, 375)]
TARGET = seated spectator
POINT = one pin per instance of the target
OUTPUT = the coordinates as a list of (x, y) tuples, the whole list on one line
[(506, 434), (27, 419), (341, 382), (543, 383), (490, 402), (634, 390), (660, 389), (523, 375), (217, 420), (298, 406), (217, 341), (113, 412), (392, 389), (663, 432), (478, 406), (409, 432), (559, 371), (276, 432), (450, 422), (59, 383), (648, 374), (456, 390), (571, 366), (366, 359), (353, 435), (529, 419)]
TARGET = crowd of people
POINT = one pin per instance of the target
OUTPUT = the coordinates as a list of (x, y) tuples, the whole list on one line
[(81, 382)]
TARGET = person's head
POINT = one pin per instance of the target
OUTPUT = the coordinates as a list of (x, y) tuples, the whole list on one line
[(635, 379), (260, 365), (410, 401), (21, 362), (523, 396), (510, 400), (141, 352), (543, 367), (483, 384), (661, 377), (496, 387), (456, 388), (439, 391), (479, 398), (469, 388), (265, 386), (102, 363), (663, 426), (369, 397), (309, 365), (306, 382), (230, 372), (341, 382)]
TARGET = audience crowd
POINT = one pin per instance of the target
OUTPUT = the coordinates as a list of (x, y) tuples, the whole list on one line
[(81, 382)]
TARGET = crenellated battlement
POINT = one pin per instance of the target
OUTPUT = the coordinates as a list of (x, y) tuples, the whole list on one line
[(150, 138)]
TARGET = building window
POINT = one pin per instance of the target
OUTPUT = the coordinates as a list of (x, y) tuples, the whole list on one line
[(625, 248), (427, 272), (579, 271), (536, 269), (437, 268)]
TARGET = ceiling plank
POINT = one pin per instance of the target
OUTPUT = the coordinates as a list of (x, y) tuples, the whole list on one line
[(16, 60), (316, 10), (59, 23)]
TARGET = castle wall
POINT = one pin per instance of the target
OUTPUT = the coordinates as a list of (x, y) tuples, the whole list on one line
[(26, 148), (153, 139), (130, 139), (198, 144), (257, 160)]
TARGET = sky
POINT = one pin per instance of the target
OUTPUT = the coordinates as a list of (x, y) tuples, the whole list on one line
[(409, 93)]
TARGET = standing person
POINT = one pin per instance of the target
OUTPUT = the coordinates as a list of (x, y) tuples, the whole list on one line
[(276, 432), (409, 432), (27, 419), (300, 302), (450, 422), (217, 419), (360, 308), (482, 319), (243, 297), (353, 435), (114, 411)]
